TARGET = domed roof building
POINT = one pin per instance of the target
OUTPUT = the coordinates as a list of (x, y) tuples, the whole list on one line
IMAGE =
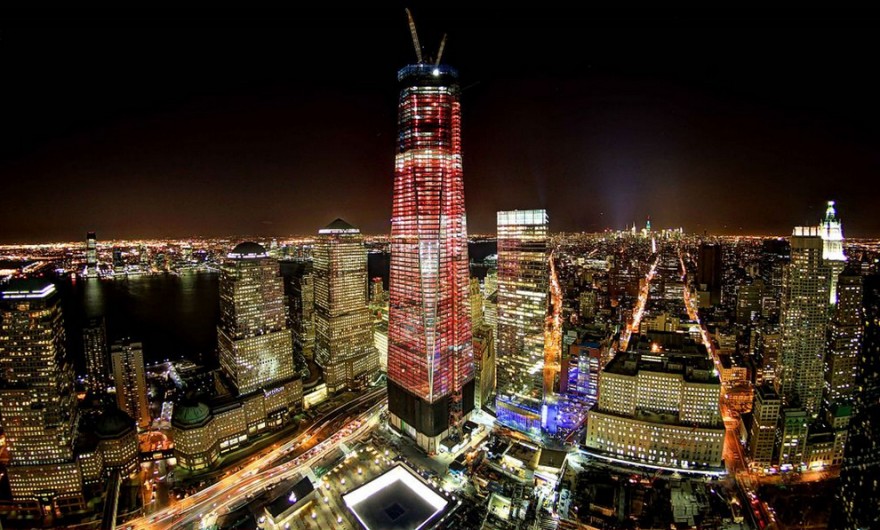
[(248, 250), (107, 443), (195, 436), (189, 415), (113, 423)]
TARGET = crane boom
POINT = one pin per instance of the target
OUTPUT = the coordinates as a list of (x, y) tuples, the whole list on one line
[(415, 35), (440, 51)]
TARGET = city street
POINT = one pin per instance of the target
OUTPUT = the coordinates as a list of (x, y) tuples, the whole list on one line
[(257, 473)]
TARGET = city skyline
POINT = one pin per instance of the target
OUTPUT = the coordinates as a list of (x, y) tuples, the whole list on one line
[(600, 117), (636, 375)]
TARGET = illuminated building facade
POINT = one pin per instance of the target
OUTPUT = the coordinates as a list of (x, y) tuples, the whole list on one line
[(584, 364), (203, 432), (484, 364), (129, 377), (302, 308), (762, 434), (343, 323), (844, 340), (831, 231), (91, 255), (523, 282), (659, 405), (523, 413), (430, 353), (794, 427), (856, 505), (805, 285), (110, 443), (377, 291), (256, 347), (95, 348), (37, 400), (475, 298)]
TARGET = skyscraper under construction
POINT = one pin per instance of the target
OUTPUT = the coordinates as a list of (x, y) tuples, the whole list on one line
[(430, 354)]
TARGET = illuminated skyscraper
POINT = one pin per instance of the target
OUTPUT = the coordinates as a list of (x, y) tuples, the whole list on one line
[(343, 323), (523, 278), (805, 285), (95, 348), (430, 355), (844, 340), (130, 379), (256, 347), (377, 291), (832, 247), (37, 400), (302, 308), (484, 364), (856, 505), (91, 255)]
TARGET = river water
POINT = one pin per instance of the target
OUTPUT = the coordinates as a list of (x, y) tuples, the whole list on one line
[(174, 315)]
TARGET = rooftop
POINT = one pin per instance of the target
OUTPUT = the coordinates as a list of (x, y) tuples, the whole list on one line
[(113, 422), (338, 226), (29, 289), (395, 500), (294, 493), (247, 250), (188, 415), (666, 352)]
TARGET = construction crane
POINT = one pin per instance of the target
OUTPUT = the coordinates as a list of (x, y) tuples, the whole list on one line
[(415, 35), (440, 51), (418, 46)]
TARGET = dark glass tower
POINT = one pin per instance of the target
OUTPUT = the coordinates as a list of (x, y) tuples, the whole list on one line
[(430, 354), (856, 505)]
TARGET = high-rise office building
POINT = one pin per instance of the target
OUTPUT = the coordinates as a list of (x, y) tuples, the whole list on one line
[(484, 364), (256, 347), (91, 255), (762, 434), (37, 400), (844, 340), (130, 379), (118, 261), (343, 323), (659, 404), (749, 299), (792, 437), (302, 308), (832, 247), (709, 271), (805, 285), (582, 364), (377, 291), (475, 298), (523, 282), (856, 505), (430, 353), (97, 360)]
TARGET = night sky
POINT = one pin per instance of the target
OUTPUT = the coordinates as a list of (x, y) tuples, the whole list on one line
[(165, 124)]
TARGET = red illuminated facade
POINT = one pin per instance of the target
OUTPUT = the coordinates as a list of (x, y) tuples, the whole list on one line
[(430, 353)]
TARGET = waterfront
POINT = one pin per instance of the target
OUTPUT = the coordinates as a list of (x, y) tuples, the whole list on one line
[(174, 314)]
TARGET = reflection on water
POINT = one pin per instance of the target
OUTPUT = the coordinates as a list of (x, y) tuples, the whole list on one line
[(174, 315)]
